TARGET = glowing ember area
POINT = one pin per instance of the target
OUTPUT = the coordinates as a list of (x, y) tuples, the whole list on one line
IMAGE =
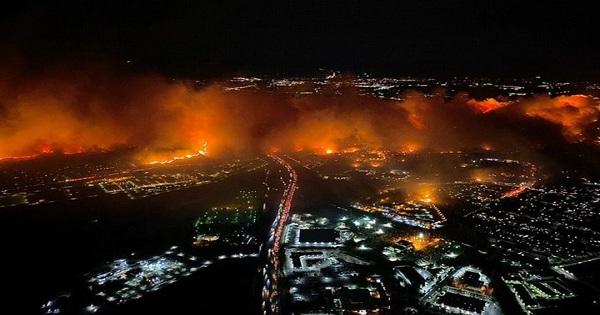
[(487, 147), (515, 192), (22, 157), (573, 113), (486, 105), (409, 148), (351, 149), (423, 193), (177, 158), (481, 176), (426, 198), (65, 114), (171, 159)]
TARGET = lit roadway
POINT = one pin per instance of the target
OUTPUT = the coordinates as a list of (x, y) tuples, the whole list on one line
[(271, 272)]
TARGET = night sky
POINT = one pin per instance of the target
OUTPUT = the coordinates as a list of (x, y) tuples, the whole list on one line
[(421, 38)]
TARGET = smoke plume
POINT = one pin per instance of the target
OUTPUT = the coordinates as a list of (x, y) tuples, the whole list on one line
[(76, 111)]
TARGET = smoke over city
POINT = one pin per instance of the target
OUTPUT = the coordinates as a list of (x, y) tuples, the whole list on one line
[(71, 111)]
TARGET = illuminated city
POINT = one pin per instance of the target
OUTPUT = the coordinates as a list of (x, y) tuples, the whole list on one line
[(347, 158)]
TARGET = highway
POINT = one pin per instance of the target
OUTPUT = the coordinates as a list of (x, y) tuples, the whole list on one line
[(271, 272)]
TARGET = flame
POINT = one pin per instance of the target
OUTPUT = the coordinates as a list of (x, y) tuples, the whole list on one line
[(487, 105), (425, 193), (351, 149), (572, 112), (516, 191), (409, 148), (481, 175), (487, 147), (155, 158), (65, 113)]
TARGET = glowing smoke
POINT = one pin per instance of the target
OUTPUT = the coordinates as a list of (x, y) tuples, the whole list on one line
[(74, 112)]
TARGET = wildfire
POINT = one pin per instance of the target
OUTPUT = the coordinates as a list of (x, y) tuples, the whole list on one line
[(481, 175), (409, 148), (515, 192), (177, 158), (201, 152), (21, 157), (487, 105), (425, 193), (351, 150), (150, 113), (46, 149), (572, 112)]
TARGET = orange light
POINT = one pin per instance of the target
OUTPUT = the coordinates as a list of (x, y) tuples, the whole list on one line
[(425, 193), (487, 105), (172, 156), (481, 175), (46, 149), (515, 192), (409, 148), (351, 150)]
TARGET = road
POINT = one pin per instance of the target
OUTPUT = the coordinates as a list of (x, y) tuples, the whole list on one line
[(271, 270)]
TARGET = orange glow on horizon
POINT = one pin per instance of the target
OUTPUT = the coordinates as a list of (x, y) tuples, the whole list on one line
[(572, 112), (163, 120), (170, 156)]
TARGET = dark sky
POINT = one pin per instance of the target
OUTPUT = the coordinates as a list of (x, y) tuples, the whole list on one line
[(419, 37)]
